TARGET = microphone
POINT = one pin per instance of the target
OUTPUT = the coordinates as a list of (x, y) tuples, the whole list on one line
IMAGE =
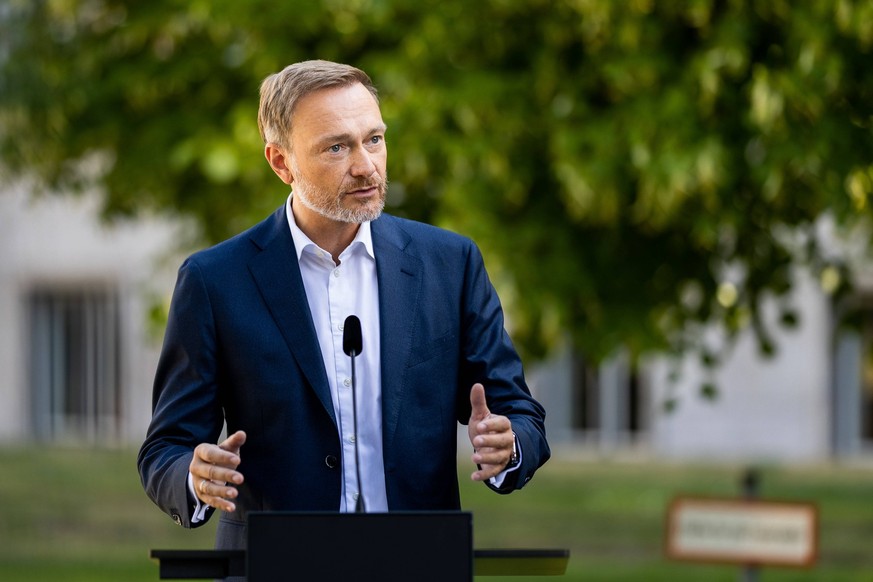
[(352, 346), (352, 340)]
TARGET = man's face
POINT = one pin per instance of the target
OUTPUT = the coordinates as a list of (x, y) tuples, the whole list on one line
[(338, 154)]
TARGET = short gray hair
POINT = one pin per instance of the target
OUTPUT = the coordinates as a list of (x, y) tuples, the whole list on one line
[(280, 93)]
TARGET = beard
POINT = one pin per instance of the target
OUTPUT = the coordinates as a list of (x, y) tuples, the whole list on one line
[(336, 205)]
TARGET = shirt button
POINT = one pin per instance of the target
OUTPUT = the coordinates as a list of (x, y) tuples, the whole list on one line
[(336, 272), (347, 382), (330, 461), (341, 326), (352, 439)]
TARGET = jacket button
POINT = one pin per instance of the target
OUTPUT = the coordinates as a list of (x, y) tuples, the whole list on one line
[(331, 462), (177, 518)]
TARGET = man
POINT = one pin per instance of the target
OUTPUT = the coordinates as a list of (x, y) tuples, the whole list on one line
[(255, 333)]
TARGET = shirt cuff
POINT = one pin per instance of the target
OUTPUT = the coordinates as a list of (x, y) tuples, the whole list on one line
[(200, 508)]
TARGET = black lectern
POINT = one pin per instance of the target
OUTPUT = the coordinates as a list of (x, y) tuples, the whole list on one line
[(389, 547), (384, 547)]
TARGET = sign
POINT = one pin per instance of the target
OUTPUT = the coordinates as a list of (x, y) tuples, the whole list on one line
[(740, 531)]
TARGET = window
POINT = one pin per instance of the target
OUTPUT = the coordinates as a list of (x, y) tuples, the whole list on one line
[(608, 402), (852, 399), (74, 364)]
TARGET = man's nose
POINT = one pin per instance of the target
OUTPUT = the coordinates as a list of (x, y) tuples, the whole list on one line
[(363, 163)]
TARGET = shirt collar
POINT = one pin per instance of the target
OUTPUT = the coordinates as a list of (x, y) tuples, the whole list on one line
[(302, 242)]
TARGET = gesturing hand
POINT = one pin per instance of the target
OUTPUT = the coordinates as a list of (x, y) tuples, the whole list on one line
[(213, 467), (491, 436)]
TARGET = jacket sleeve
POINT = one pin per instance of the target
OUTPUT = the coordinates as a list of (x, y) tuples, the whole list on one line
[(490, 358), (186, 410)]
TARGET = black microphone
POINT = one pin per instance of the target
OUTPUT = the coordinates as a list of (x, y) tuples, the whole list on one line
[(352, 346), (352, 340)]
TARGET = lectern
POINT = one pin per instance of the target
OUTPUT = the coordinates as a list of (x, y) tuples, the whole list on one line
[(383, 547), (353, 546)]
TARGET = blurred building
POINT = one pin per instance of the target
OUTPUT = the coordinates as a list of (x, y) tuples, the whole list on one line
[(77, 357), (812, 400)]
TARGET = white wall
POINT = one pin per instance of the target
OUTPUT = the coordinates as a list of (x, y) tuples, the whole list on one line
[(766, 409), (59, 240)]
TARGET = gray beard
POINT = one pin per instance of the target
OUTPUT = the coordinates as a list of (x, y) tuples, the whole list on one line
[(337, 212)]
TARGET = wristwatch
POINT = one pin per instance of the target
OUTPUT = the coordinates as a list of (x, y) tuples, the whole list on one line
[(513, 458)]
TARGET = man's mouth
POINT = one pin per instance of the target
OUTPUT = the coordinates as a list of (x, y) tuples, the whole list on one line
[(365, 190)]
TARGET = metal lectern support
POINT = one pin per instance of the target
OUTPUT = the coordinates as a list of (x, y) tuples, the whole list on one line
[(212, 564), (388, 547)]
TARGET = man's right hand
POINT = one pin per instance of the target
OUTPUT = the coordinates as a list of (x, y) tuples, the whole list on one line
[(213, 467)]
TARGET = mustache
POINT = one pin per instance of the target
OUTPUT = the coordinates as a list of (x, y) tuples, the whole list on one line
[(363, 184)]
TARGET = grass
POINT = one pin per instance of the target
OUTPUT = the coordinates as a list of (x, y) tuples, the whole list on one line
[(81, 515)]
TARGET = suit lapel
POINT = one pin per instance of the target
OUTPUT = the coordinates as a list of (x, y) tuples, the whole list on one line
[(277, 274), (399, 276)]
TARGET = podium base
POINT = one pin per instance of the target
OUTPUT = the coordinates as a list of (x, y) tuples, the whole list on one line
[(212, 564), (389, 547)]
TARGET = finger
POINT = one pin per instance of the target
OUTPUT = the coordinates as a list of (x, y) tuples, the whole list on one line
[(494, 424), (234, 442), (217, 495), (216, 473), (495, 441), (486, 472), (478, 403), (489, 457), (222, 475), (214, 464), (215, 455)]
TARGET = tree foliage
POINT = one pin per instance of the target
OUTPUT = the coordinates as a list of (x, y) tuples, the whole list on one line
[(626, 166)]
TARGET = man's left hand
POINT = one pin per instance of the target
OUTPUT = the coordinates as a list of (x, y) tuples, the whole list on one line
[(491, 436)]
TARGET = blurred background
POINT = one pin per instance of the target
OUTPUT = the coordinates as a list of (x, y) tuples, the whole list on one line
[(672, 198)]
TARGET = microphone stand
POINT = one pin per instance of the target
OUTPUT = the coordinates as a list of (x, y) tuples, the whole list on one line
[(359, 504), (352, 346)]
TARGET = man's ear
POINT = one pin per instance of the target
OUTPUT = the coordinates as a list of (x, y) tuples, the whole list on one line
[(280, 161)]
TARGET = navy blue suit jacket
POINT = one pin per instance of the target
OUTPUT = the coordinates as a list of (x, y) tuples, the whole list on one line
[(240, 347)]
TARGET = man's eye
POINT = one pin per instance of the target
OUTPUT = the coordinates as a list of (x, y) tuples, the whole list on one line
[(336, 148), (376, 139)]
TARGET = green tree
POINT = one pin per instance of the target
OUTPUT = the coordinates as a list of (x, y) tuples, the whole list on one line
[(626, 166)]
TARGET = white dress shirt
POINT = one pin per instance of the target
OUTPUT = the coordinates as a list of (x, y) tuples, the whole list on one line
[(334, 292)]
